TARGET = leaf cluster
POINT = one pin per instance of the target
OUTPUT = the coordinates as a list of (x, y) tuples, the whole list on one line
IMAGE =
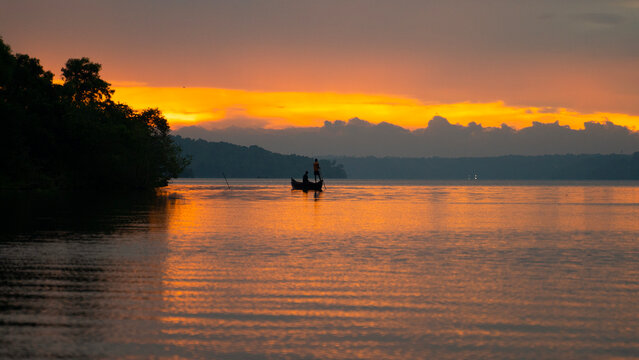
[(73, 136)]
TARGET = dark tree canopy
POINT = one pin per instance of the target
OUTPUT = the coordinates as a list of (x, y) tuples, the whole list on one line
[(73, 136), (82, 82)]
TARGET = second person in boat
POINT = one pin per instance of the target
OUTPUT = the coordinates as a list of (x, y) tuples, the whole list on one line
[(316, 170)]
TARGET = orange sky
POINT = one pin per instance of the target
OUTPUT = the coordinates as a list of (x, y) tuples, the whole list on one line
[(211, 107), (293, 63)]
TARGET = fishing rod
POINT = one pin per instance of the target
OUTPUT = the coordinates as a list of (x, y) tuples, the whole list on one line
[(227, 182)]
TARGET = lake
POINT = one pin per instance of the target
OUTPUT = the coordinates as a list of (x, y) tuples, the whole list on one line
[(363, 270)]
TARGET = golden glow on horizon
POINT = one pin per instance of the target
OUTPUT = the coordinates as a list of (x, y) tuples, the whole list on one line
[(213, 107)]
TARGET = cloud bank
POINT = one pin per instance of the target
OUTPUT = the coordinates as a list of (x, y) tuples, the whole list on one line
[(221, 108), (440, 138)]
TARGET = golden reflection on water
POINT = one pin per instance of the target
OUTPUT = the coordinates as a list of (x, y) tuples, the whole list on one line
[(397, 270), (410, 271)]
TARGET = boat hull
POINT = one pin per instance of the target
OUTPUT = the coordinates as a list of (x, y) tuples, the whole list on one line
[(316, 186)]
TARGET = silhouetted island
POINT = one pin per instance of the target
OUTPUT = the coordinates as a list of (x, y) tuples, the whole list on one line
[(74, 136)]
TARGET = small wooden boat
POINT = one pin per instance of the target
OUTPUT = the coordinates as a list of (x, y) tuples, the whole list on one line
[(298, 185)]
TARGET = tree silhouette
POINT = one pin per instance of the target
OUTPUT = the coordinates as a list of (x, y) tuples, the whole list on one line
[(83, 82), (74, 136)]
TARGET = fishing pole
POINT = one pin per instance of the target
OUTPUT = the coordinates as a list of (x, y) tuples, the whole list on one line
[(227, 182)]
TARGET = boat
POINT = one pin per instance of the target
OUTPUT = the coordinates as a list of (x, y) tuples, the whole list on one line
[(298, 185)]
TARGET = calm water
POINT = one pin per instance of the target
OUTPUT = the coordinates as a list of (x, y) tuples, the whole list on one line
[(371, 270)]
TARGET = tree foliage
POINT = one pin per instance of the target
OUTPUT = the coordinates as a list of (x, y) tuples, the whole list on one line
[(73, 135), (82, 82)]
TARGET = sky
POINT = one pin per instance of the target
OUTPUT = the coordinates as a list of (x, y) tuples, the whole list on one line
[(278, 64), (439, 137)]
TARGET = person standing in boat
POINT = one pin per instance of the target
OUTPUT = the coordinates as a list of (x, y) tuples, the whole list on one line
[(305, 177), (316, 170)]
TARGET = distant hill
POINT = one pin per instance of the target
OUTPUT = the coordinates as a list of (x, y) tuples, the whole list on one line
[(212, 159), (545, 167)]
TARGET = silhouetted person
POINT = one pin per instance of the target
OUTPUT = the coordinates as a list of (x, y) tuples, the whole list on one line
[(316, 170), (305, 177)]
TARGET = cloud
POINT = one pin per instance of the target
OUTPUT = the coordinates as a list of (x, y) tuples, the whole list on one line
[(214, 107), (548, 110), (603, 18), (358, 137), (633, 4), (126, 83), (238, 122)]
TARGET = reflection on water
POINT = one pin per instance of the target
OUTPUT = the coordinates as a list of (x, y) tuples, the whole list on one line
[(87, 213), (364, 270)]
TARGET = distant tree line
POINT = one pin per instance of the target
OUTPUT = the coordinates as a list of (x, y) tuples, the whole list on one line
[(512, 167), (74, 136), (213, 159)]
